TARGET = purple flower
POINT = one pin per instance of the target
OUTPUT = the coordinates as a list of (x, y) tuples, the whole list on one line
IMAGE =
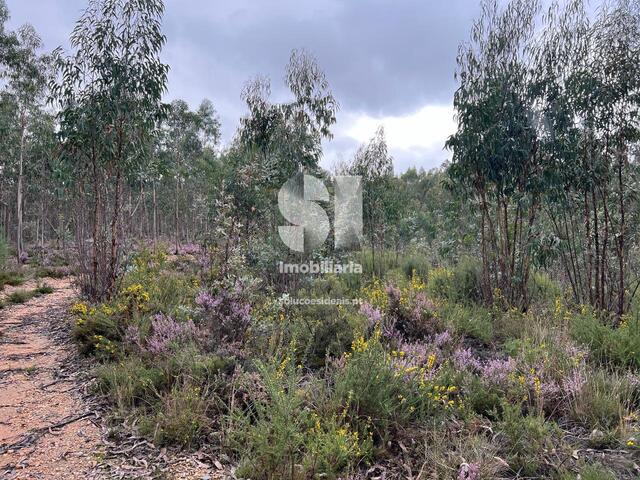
[(226, 312), (165, 331), (574, 382), (373, 314), (132, 336), (464, 359), (469, 471), (497, 371), (442, 339)]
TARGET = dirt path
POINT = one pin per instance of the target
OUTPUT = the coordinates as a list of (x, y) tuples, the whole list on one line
[(47, 429), (41, 434)]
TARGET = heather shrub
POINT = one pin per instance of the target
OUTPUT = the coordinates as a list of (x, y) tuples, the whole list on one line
[(168, 335), (226, 312)]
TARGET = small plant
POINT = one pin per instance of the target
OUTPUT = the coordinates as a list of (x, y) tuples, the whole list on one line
[(44, 289), (526, 439), (12, 279), (181, 418), (20, 296)]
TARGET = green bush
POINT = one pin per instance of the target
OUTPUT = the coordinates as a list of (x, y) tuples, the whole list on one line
[(542, 289), (461, 283), (13, 279), (472, 321), (417, 264), (181, 417), (93, 329), (131, 382), (526, 439), (608, 344), (21, 296), (44, 289), (280, 435), (602, 401), (369, 386)]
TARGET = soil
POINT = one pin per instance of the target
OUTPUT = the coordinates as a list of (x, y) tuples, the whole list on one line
[(37, 391)]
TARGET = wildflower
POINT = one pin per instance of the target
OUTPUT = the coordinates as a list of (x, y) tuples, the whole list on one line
[(359, 345), (166, 331), (431, 361), (79, 308)]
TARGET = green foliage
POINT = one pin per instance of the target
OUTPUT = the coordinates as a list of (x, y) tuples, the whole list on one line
[(369, 386), (609, 344), (592, 472), (543, 289), (131, 382), (44, 289), (23, 296), (20, 296), (459, 284), (526, 439), (602, 402), (181, 419), (94, 327), (13, 279), (279, 437), (472, 321)]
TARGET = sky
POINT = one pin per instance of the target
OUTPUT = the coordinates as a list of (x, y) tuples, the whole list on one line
[(388, 63)]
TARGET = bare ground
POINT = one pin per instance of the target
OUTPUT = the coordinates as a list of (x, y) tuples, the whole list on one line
[(38, 394)]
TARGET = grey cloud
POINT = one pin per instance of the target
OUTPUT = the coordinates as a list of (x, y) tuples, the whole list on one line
[(381, 57)]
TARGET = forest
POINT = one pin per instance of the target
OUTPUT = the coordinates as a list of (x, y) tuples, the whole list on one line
[(492, 329)]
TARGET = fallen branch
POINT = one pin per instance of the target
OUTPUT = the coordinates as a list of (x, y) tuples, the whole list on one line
[(34, 435)]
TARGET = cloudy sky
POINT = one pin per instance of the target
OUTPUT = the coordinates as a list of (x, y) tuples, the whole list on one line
[(388, 62)]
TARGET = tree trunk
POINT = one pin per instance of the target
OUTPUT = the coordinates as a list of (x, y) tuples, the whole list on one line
[(19, 240)]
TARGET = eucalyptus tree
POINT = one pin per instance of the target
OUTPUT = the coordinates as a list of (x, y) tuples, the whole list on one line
[(287, 137), (373, 163), (186, 135), (588, 83), (109, 91), (26, 79), (275, 141), (496, 160)]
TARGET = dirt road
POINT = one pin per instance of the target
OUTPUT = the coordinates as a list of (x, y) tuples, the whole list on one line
[(46, 430)]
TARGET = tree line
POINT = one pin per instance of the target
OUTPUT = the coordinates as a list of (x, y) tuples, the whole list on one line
[(545, 152)]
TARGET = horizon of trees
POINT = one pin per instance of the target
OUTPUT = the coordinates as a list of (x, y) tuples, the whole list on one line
[(544, 171)]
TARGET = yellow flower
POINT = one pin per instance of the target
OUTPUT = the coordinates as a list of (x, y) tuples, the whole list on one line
[(359, 345), (431, 361), (79, 308)]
